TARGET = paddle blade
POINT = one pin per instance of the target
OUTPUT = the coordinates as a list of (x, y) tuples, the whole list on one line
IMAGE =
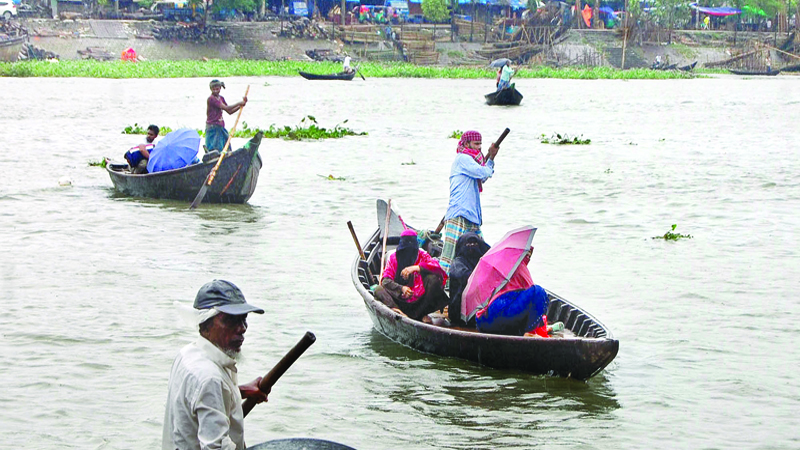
[(200, 196)]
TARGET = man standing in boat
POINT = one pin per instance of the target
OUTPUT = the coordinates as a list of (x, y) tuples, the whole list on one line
[(216, 134), (204, 403), (467, 175)]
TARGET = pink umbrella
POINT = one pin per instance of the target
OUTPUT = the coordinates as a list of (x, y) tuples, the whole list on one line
[(494, 270)]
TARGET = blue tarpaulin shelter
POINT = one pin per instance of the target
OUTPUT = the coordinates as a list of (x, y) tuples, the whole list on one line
[(177, 149)]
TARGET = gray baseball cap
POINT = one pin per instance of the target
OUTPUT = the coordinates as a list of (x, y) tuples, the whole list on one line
[(225, 297)]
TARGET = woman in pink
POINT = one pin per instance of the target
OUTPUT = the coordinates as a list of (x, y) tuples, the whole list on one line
[(413, 281)]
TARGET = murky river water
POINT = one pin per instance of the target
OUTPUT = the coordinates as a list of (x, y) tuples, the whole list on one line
[(708, 327)]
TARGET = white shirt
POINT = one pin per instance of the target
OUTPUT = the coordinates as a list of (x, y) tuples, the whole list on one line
[(204, 406), (346, 62)]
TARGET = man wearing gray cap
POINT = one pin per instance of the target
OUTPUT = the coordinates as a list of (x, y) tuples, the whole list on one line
[(204, 403)]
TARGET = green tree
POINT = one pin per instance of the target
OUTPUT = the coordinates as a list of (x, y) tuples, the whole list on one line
[(435, 10)]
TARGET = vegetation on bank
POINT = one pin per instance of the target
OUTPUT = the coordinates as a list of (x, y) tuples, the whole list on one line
[(220, 69)]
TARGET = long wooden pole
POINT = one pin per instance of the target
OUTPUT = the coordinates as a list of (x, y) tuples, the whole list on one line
[(781, 51), (385, 236), (283, 365)]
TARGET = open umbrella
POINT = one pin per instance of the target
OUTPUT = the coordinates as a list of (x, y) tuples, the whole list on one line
[(495, 269), (500, 62), (177, 149)]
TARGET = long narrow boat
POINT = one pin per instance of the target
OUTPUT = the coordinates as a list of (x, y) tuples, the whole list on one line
[(768, 73), (235, 180), (586, 348), (344, 76), (688, 67), (507, 96)]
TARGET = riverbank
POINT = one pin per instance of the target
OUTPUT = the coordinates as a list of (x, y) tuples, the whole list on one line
[(223, 68)]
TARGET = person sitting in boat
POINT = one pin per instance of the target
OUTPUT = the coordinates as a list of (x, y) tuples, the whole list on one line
[(216, 134), (412, 281), (137, 156), (504, 75), (467, 175), (469, 249), (518, 307), (346, 64), (657, 62)]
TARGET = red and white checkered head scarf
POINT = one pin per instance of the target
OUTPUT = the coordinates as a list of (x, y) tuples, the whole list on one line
[(471, 136)]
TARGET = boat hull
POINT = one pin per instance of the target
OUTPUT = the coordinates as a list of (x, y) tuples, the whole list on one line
[(9, 48), (235, 180), (581, 357), (507, 96), (771, 73), (336, 76)]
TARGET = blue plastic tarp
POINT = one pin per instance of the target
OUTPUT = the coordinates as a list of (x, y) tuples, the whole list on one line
[(175, 150), (721, 11)]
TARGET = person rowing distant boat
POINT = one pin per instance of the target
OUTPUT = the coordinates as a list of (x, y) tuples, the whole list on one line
[(216, 134), (346, 64)]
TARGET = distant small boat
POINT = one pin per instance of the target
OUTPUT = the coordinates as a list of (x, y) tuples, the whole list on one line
[(768, 73), (345, 76), (688, 67), (507, 96), (793, 68), (10, 47)]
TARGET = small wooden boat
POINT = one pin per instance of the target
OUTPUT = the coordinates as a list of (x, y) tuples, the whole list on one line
[(10, 47), (507, 96), (584, 351), (235, 181), (792, 68), (688, 67), (345, 76), (300, 444), (768, 73)]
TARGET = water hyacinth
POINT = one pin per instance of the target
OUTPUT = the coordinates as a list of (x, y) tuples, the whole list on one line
[(565, 139), (312, 131), (224, 68)]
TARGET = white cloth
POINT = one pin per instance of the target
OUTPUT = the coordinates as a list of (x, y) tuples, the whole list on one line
[(204, 406), (346, 64)]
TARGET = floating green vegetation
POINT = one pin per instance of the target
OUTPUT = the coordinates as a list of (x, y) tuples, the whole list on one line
[(332, 178), (136, 129), (310, 131), (608, 170), (216, 68), (412, 163), (102, 163), (670, 236), (456, 134), (565, 139)]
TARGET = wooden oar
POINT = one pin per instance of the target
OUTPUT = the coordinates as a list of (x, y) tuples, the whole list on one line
[(355, 239), (385, 236), (439, 228), (502, 136), (210, 178), (272, 377), (359, 74)]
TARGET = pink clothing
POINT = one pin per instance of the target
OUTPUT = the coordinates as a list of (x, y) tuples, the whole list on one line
[(214, 110), (521, 280), (424, 261)]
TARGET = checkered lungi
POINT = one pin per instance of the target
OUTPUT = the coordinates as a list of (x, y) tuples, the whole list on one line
[(453, 229)]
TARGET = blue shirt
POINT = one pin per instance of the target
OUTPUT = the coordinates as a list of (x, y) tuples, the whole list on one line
[(465, 198)]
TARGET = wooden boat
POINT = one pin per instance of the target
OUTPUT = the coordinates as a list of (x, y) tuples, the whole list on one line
[(10, 47), (770, 73), (688, 67), (336, 76), (300, 444), (507, 96), (586, 349), (235, 181)]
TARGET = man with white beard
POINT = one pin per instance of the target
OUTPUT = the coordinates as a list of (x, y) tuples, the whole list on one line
[(204, 403)]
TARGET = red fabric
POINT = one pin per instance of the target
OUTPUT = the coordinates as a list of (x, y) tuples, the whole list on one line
[(424, 261), (542, 330), (214, 110), (521, 280), (471, 136)]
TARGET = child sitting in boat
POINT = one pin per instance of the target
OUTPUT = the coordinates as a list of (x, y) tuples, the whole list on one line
[(412, 281)]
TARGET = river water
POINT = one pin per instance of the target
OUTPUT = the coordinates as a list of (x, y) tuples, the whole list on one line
[(708, 326)]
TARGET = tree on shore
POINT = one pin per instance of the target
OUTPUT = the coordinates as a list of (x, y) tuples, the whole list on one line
[(435, 11)]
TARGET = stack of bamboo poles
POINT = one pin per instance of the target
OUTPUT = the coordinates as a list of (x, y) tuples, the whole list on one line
[(465, 27)]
